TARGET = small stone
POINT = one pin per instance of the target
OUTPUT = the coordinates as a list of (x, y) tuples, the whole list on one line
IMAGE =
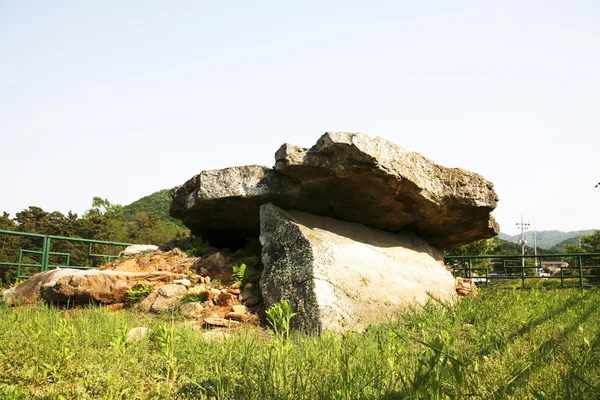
[(237, 316), (195, 290), (238, 308), (192, 310), (234, 291), (215, 335), (214, 321), (184, 282), (207, 280), (234, 286), (224, 299), (254, 300), (136, 334)]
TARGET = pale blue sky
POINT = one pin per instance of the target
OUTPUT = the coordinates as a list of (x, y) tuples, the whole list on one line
[(120, 99)]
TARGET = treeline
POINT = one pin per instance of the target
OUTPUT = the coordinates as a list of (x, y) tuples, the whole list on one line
[(103, 221)]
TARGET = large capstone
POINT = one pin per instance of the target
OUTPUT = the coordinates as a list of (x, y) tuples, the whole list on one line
[(347, 176), (341, 276)]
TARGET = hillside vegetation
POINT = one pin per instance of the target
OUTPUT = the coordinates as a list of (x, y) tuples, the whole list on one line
[(145, 221)]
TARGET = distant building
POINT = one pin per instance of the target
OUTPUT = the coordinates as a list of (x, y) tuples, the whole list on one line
[(554, 267)]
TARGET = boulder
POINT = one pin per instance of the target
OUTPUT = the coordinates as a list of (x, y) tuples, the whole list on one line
[(347, 176), (28, 292), (163, 298), (138, 249), (84, 286), (192, 310), (341, 276), (222, 205)]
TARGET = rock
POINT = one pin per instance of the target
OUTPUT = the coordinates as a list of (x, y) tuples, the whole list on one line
[(184, 282), (224, 298), (341, 276), (172, 261), (253, 299), (347, 176), (239, 309), (465, 287), (214, 321), (234, 291), (164, 298), (237, 316), (223, 260), (139, 248), (85, 286), (195, 290), (215, 335), (192, 310), (136, 334), (222, 205), (28, 292)]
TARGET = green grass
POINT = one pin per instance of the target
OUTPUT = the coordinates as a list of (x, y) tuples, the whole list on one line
[(532, 344)]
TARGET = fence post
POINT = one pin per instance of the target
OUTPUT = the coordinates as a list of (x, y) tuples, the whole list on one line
[(45, 253), (580, 272), (470, 273)]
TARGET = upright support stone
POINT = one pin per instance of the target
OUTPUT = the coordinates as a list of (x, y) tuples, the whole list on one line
[(342, 276)]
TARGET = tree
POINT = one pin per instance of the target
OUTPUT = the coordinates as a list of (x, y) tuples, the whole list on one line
[(480, 247), (589, 244)]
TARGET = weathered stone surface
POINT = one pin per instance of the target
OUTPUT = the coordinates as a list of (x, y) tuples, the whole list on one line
[(215, 321), (347, 176), (85, 286), (237, 316), (373, 181), (136, 334), (192, 310), (28, 292), (164, 298), (342, 276), (465, 287), (222, 205)]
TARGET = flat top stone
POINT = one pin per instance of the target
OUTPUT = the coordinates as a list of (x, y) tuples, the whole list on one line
[(347, 176)]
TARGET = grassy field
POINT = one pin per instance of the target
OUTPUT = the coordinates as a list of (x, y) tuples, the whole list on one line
[(529, 344)]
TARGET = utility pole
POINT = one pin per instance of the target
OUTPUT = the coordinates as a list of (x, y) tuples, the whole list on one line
[(535, 247), (523, 226)]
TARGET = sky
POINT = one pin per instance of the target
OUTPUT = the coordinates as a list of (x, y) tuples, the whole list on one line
[(121, 99)]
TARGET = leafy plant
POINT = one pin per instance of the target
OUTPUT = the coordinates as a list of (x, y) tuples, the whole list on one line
[(138, 292), (279, 316), (194, 298), (193, 246), (240, 274)]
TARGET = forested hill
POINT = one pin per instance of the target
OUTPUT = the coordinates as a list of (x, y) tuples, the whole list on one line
[(547, 239), (156, 204)]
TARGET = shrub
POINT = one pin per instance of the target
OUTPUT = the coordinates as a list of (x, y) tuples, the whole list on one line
[(138, 292), (194, 298)]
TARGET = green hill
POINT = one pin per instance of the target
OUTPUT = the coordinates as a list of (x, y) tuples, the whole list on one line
[(156, 204), (547, 239)]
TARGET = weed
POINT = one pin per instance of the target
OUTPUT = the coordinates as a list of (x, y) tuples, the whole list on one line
[(279, 316), (194, 298), (138, 292), (240, 274)]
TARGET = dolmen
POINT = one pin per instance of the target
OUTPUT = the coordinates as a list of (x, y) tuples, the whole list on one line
[(351, 229)]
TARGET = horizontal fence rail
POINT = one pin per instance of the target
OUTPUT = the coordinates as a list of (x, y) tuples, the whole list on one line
[(581, 270), (31, 261)]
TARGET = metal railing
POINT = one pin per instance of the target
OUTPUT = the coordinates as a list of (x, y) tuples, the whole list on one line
[(25, 255), (578, 271)]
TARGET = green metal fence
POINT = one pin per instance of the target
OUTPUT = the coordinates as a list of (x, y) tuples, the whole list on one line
[(44, 254), (580, 270)]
